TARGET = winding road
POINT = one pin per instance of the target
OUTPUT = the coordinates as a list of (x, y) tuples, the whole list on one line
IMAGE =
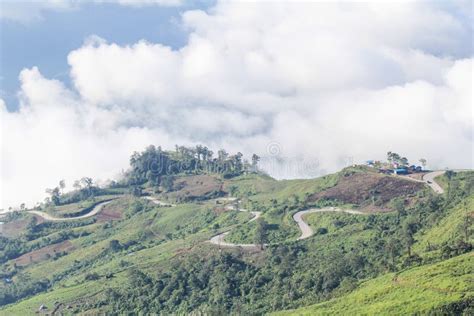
[(428, 179), (49, 217), (219, 239), (306, 230)]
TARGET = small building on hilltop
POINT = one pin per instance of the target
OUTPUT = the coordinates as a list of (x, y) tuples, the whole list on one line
[(400, 171)]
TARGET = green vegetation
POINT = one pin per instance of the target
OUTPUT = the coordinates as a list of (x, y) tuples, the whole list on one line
[(438, 289), (278, 201), (79, 208), (136, 256), (157, 168)]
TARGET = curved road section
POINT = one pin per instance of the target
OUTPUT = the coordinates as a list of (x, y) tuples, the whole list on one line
[(306, 231), (429, 179), (49, 217), (219, 239)]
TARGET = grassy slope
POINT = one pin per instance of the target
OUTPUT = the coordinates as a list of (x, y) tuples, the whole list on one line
[(448, 228), (63, 210), (263, 188), (260, 189), (417, 290), (188, 228), (186, 225), (462, 177)]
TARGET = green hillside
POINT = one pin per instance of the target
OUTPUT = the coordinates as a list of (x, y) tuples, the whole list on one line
[(409, 251), (445, 288)]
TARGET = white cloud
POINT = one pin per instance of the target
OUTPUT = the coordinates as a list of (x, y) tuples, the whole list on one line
[(29, 11), (324, 81), (141, 3), (32, 10)]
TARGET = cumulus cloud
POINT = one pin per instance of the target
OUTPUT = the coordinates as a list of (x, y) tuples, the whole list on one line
[(323, 83)]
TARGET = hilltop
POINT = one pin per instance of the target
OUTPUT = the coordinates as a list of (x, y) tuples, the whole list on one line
[(185, 232)]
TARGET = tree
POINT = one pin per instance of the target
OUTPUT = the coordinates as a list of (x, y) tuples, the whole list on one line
[(114, 245), (396, 158), (167, 183), (404, 161), (423, 162), (136, 190), (222, 155), (62, 185), (399, 206), (450, 174), (88, 184), (466, 225), (32, 224), (392, 248), (261, 232), (55, 194), (233, 190), (77, 185), (373, 194), (255, 160), (296, 200), (409, 229), (321, 231), (31, 228), (92, 276), (237, 162)]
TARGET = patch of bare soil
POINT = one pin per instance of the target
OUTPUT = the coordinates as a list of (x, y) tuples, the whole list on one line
[(17, 227), (196, 187), (369, 191), (44, 253), (110, 212), (417, 176)]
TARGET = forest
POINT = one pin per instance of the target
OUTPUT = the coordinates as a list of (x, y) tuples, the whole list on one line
[(156, 166)]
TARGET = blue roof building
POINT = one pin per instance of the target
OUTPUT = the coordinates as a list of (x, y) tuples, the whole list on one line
[(400, 171)]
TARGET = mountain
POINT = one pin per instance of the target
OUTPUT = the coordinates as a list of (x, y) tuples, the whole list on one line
[(187, 233)]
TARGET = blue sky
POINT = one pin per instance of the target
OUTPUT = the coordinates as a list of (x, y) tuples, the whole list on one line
[(46, 42)]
